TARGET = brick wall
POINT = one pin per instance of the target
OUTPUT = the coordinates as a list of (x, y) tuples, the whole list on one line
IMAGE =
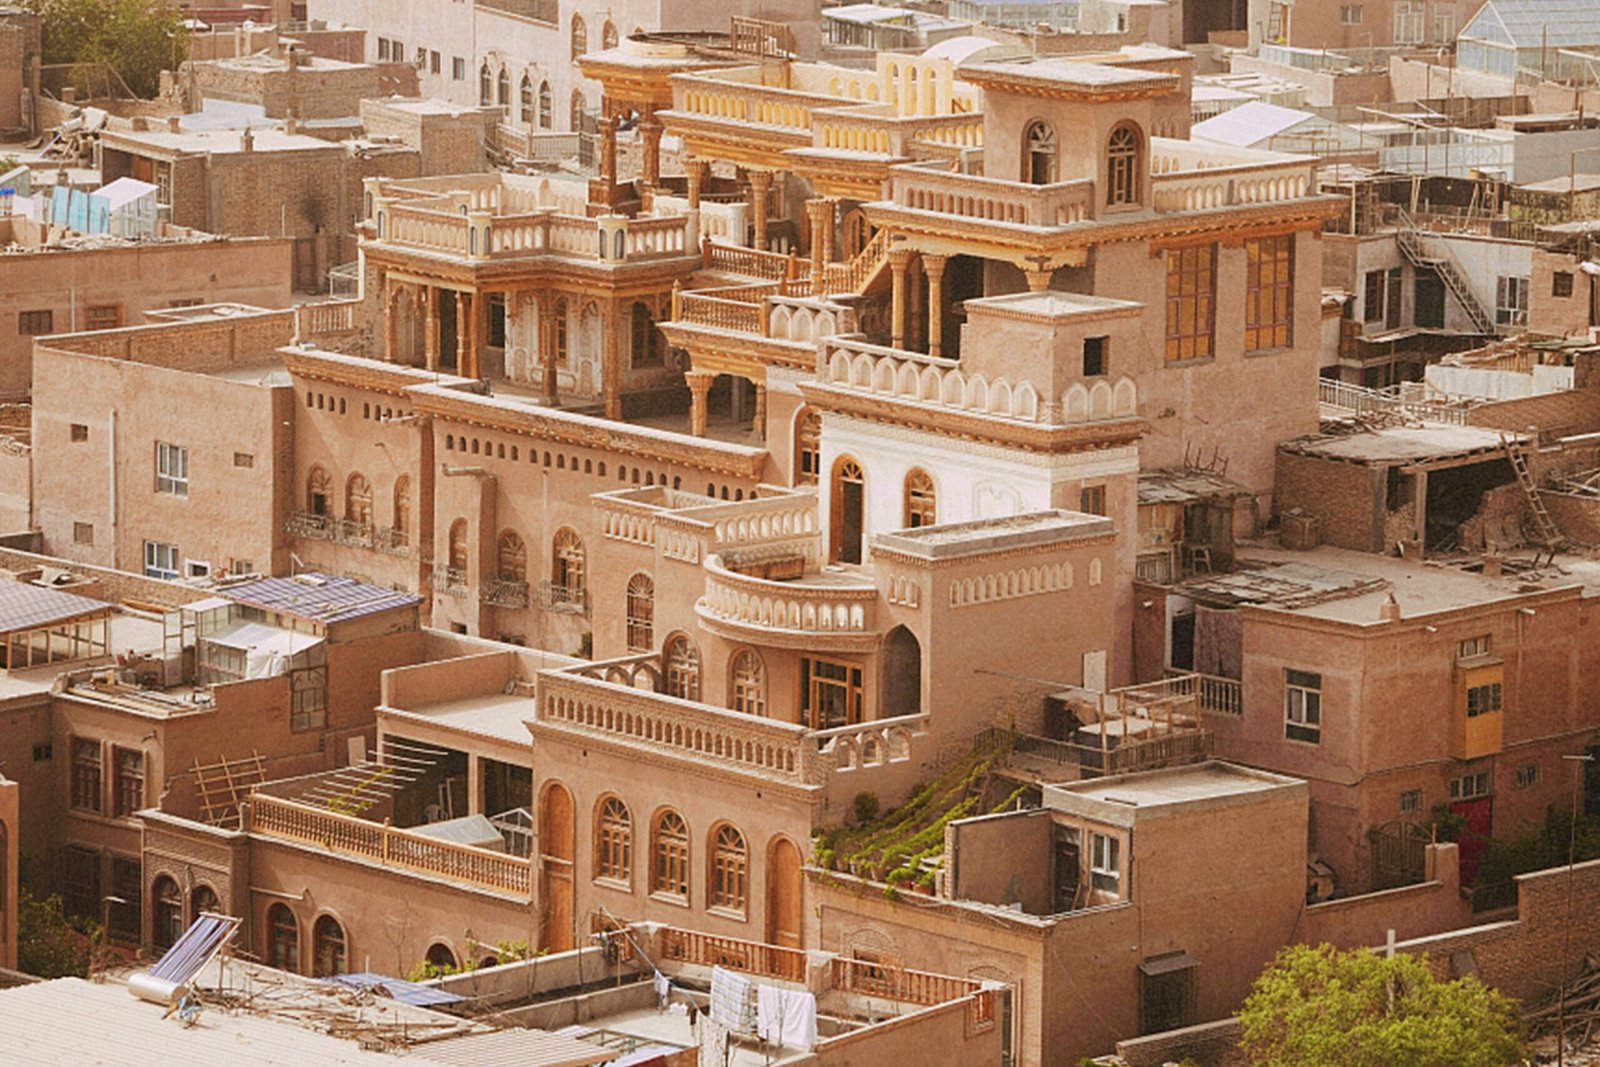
[(1577, 517), (1347, 497), (1209, 1044), (110, 585), (1569, 412)]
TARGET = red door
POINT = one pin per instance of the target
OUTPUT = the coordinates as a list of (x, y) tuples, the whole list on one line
[(1474, 835)]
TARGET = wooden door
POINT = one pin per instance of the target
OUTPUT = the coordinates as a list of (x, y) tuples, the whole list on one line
[(555, 869), (783, 894)]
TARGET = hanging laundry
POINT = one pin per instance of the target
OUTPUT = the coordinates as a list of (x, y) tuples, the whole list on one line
[(732, 1000), (786, 1017), (663, 990)]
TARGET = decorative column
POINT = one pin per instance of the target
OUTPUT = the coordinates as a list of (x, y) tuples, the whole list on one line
[(474, 333), (699, 386), (760, 186), (608, 150), (611, 363), (547, 348), (650, 131), (461, 332), (391, 296), (695, 170), (430, 339), (1038, 280), (933, 267), (899, 260), (820, 213), (759, 423)]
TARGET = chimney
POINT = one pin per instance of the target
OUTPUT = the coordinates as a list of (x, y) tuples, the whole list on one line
[(1390, 610), (291, 125), (174, 123), (247, 140)]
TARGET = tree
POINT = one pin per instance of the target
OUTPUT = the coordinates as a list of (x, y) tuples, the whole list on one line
[(47, 943), (137, 39), (1318, 1005)]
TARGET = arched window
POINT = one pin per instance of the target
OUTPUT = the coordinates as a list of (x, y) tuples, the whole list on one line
[(283, 939), (580, 37), (358, 500), (1039, 154), (1122, 166), (513, 558), (402, 508), (457, 560), (319, 492), (729, 864), (613, 841), (608, 35), (567, 577), (669, 855), (328, 950), (807, 447), (641, 613), (560, 317), (546, 106), (683, 668), (441, 957), (646, 338), (485, 86), (920, 505), (525, 93), (576, 109), (749, 683), (205, 902), (167, 919), (503, 84), (849, 484)]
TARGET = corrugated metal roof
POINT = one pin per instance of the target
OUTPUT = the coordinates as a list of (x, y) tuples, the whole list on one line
[(405, 992), (321, 597), (24, 605), (513, 1048)]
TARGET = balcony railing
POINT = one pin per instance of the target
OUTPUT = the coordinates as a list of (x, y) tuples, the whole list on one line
[(747, 957), (570, 600), (480, 235), (450, 581), (346, 835), (898, 983), (788, 606), (968, 196), (504, 592), (1214, 693)]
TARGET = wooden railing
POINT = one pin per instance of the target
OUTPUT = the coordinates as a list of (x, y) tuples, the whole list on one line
[(277, 817), (747, 957), (897, 983), (720, 313), (851, 277), (752, 262), (1214, 692)]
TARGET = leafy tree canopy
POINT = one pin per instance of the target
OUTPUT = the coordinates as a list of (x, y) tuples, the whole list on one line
[(1318, 1005), (47, 943), (136, 38)]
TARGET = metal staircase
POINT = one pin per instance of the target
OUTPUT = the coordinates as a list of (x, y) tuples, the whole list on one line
[(1549, 536), (1432, 256)]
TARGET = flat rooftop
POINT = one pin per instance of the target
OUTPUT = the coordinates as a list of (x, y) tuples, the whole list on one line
[(1401, 444), (1120, 799), (496, 716), (1056, 305), (988, 535), (218, 142), (1065, 77)]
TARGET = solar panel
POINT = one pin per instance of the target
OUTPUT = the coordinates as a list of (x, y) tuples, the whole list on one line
[(194, 948)]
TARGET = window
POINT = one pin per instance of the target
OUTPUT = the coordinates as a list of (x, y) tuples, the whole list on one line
[(43, 753), (1092, 500), (1408, 21), (1302, 706), (456, 561), (103, 317), (1444, 24), (749, 683), (167, 916), (185, 302), (546, 106), (646, 338), (244, 460), (383, 49), (1473, 646), (1470, 785), (608, 35), (485, 86), (729, 863), (127, 884), (575, 110), (1269, 293), (242, 566), (79, 432), (1039, 154), (669, 856), (128, 794), (283, 939), (1191, 294), (319, 492), (327, 948), (560, 316), (1094, 356), (1527, 775), (1511, 301), (1376, 286), (458, 69), (503, 91), (613, 846), (567, 583), (160, 560), (512, 557), (683, 668), (830, 693), (1105, 863), (1410, 802), (848, 511), (580, 37), (401, 513), (1482, 699), (807, 447), (921, 503), (1122, 166), (172, 469), (358, 501), (433, 62), (86, 774), (81, 874), (1561, 283), (525, 98), (308, 698), (641, 610), (1350, 14), (33, 323), (83, 533)]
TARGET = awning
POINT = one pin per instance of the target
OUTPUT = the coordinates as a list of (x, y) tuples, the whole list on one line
[(1175, 961)]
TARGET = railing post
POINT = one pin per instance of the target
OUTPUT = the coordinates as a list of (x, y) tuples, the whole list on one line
[(385, 840)]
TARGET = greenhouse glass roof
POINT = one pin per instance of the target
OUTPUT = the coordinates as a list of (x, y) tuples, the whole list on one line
[(1532, 23)]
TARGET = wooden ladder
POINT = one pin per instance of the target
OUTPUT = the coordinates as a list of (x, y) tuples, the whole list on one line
[(1549, 536)]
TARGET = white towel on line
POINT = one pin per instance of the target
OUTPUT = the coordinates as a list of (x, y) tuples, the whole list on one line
[(786, 1017)]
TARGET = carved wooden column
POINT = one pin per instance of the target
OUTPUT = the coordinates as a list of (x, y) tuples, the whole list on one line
[(933, 267), (759, 423), (611, 362), (760, 186), (461, 332), (699, 386), (650, 131), (820, 213), (430, 339), (547, 348), (474, 334), (899, 260), (391, 296), (696, 171), (608, 150)]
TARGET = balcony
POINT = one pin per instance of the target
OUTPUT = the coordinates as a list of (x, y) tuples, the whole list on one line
[(1191, 176), (564, 599), (504, 592), (1213, 693), (451, 581), (345, 835), (943, 191), (437, 226), (831, 609)]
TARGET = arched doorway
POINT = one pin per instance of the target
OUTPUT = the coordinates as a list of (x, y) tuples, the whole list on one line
[(783, 893), (846, 514), (902, 673), (166, 919), (204, 901), (556, 844)]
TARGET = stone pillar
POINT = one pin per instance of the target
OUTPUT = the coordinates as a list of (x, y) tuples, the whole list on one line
[(608, 150), (611, 363), (699, 386), (547, 348), (696, 171), (820, 213), (474, 334), (430, 340), (461, 332), (760, 185), (933, 267), (759, 423), (899, 260), (391, 296), (650, 132)]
